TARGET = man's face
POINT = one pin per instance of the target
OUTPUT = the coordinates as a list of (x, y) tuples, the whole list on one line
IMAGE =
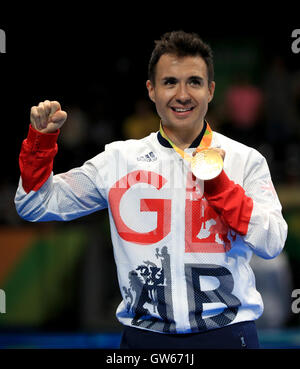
[(181, 92)]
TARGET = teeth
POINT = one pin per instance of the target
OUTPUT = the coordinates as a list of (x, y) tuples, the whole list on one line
[(181, 110)]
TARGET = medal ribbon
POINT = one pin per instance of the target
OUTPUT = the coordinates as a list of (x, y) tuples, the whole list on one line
[(205, 142)]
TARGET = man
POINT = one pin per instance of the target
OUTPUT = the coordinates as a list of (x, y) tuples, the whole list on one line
[(182, 245)]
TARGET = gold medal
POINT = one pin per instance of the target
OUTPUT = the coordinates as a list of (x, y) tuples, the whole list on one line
[(207, 164)]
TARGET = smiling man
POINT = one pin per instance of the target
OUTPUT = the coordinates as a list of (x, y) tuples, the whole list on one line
[(182, 244), (181, 90)]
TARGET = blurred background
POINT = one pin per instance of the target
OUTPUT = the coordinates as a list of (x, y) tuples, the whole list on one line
[(59, 279)]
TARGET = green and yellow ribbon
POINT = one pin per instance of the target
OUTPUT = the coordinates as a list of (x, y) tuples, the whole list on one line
[(204, 144)]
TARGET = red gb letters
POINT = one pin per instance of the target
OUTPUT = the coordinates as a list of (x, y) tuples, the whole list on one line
[(204, 229), (161, 206)]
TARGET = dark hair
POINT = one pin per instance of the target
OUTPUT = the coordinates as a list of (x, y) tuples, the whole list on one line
[(181, 44)]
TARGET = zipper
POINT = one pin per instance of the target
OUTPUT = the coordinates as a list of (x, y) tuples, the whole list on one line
[(242, 338), (181, 307)]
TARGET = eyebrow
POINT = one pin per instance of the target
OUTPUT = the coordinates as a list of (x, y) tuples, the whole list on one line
[(171, 78), (196, 77)]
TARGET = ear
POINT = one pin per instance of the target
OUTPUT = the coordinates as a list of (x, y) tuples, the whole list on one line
[(211, 89), (151, 91)]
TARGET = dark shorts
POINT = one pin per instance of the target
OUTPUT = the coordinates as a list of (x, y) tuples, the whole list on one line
[(235, 336)]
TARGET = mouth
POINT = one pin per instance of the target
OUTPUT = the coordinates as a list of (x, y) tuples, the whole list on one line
[(182, 112)]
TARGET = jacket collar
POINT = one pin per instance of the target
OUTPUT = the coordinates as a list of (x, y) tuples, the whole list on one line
[(194, 144)]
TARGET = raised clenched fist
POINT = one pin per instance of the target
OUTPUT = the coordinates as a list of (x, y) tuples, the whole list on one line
[(47, 117)]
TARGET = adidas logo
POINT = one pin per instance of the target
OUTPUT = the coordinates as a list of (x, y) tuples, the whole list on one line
[(148, 157)]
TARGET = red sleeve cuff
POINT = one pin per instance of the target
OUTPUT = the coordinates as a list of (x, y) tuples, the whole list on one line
[(230, 201), (217, 185), (41, 141)]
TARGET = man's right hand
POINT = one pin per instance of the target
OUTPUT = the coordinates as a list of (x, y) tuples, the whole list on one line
[(47, 117)]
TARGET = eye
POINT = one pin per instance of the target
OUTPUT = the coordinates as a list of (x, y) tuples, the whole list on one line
[(170, 81), (196, 81)]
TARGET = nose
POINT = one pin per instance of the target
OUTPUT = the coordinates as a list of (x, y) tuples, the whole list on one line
[(182, 95)]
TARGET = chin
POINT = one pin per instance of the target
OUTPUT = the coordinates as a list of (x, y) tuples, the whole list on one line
[(181, 123)]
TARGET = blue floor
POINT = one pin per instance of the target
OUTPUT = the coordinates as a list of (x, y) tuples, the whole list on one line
[(280, 339), (269, 339), (60, 340)]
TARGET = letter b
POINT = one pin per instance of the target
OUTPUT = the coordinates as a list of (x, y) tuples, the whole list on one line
[(197, 296)]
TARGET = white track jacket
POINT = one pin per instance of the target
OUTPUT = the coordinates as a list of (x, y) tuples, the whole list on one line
[(182, 247)]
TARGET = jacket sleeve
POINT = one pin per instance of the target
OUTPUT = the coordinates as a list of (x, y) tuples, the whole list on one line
[(42, 196), (253, 211)]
